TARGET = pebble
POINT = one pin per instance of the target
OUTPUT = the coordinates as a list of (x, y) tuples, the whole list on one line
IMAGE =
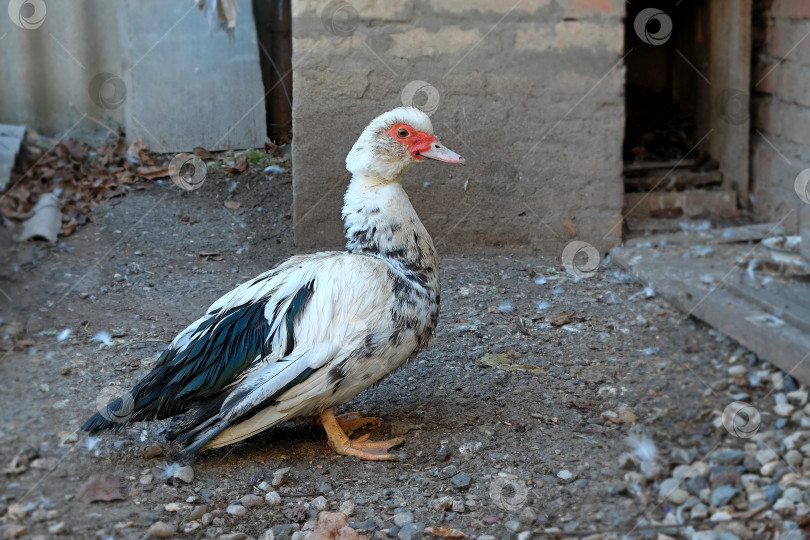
[(57, 528), (12, 530), (153, 451), (565, 474), (184, 474), (722, 495), (320, 503), (768, 469), (785, 507), (233, 536), (367, 525), (443, 503), (784, 409), (347, 507), (402, 518), (280, 476), (729, 456), (236, 510), (161, 529), (44, 464), (458, 506), (793, 494), (794, 457), (461, 481), (527, 516), (411, 531), (272, 498), (198, 512), (249, 501), (206, 519)]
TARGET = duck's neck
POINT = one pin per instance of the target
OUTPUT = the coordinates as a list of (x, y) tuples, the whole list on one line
[(379, 220)]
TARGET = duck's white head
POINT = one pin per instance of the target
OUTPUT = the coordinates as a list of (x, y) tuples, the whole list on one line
[(394, 141)]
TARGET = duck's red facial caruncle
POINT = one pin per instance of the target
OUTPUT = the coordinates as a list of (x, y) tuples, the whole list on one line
[(422, 145)]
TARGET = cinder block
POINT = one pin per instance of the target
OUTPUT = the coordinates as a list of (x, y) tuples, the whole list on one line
[(791, 9)]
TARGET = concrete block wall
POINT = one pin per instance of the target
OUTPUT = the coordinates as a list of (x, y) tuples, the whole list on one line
[(781, 110), (531, 94)]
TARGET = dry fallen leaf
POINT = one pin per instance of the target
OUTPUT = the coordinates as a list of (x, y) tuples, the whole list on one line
[(202, 152), (210, 255), (152, 172), (445, 532), (100, 487), (233, 205), (561, 318), (239, 166), (334, 526)]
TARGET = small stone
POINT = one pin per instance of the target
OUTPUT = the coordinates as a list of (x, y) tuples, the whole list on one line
[(527, 516), (347, 507), (206, 519), (443, 453), (627, 461), (249, 501), (191, 526), (699, 512), (565, 475), (797, 397), (720, 516), (737, 370), (678, 496), (766, 455), (724, 476), (442, 503), (729, 456), (184, 474), (513, 525), (667, 486), (44, 464), (198, 512), (233, 536), (458, 506), (264, 486), (794, 457), (784, 409), (769, 468), (57, 528), (461, 481), (784, 507), (722, 495), (402, 518), (153, 451), (272, 498), (161, 529), (367, 525), (236, 510), (280, 476), (411, 531), (320, 503), (793, 494)]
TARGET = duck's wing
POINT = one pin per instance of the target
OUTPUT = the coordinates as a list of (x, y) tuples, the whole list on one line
[(255, 342)]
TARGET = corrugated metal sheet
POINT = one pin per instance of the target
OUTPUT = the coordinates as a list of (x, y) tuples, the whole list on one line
[(152, 66)]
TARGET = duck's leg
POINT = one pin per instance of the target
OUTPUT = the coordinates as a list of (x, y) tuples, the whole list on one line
[(361, 447), (351, 422)]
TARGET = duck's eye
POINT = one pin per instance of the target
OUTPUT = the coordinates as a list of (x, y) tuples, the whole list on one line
[(402, 133)]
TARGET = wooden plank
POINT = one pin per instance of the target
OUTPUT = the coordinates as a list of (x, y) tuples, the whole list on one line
[(678, 180), (727, 235), (782, 299), (771, 337), (693, 203), (637, 166), (730, 76)]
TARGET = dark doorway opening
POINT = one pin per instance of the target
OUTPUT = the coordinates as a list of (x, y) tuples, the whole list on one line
[(274, 30)]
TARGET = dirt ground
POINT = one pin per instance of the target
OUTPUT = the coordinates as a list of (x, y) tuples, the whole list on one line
[(514, 428)]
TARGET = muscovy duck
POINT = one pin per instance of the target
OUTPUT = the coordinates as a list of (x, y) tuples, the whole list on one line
[(318, 329)]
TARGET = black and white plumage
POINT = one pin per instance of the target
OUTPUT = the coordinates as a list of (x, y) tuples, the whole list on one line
[(315, 331)]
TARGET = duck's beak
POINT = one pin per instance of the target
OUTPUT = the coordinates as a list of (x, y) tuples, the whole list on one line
[(440, 152)]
